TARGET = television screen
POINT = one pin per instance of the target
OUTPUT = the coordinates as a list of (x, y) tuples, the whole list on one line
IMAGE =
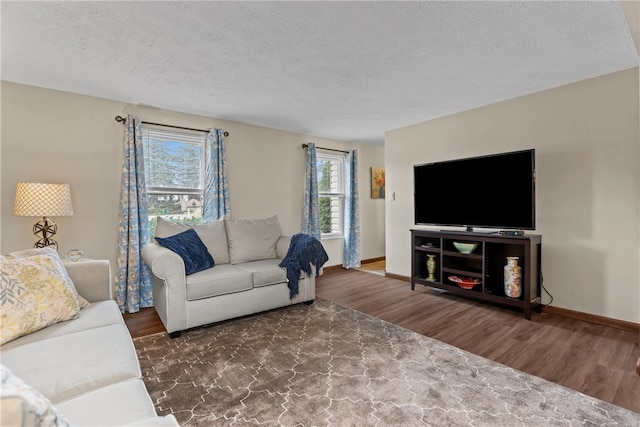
[(494, 191)]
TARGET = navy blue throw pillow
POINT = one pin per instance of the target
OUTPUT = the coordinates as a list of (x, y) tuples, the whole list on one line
[(193, 252)]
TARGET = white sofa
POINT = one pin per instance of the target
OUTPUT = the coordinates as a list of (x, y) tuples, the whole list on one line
[(86, 367), (245, 279)]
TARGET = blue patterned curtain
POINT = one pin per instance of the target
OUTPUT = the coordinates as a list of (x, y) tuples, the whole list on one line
[(216, 203), (351, 256), (311, 213), (133, 280)]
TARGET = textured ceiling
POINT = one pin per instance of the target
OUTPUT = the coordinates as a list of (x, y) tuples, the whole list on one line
[(342, 70)]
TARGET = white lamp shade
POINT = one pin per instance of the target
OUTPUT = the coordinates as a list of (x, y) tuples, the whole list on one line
[(37, 199)]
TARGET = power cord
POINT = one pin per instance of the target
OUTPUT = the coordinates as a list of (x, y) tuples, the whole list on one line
[(545, 289)]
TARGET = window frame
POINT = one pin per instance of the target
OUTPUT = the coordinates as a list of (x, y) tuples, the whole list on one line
[(340, 194), (149, 132)]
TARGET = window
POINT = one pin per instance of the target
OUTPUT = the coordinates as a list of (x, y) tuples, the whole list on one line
[(174, 167), (331, 193)]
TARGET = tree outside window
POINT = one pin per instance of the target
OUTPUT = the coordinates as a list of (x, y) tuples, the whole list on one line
[(174, 166)]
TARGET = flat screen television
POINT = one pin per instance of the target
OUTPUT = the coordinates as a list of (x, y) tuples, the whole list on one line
[(493, 191)]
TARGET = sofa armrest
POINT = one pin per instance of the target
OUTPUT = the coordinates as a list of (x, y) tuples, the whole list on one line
[(169, 286), (92, 279), (164, 263), (282, 246)]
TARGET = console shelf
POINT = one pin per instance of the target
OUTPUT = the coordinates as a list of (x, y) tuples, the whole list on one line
[(485, 264)]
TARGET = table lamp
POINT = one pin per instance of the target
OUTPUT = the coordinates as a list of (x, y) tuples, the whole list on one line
[(37, 199)]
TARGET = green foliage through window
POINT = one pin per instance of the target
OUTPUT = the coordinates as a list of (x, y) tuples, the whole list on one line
[(324, 207)]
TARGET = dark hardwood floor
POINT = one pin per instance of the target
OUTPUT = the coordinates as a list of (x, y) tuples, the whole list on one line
[(143, 323), (594, 359)]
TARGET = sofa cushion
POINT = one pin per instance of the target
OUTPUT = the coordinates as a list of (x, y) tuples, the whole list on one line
[(252, 239), (101, 313), (265, 272), (220, 280), (213, 235), (36, 293), (22, 405), (166, 421), (114, 405), (189, 246), (71, 365)]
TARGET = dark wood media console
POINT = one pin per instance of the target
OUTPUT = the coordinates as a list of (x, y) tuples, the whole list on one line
[(485, 265)]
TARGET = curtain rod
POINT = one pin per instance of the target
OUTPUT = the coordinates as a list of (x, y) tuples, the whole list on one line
[(121, 119), (328, 149)]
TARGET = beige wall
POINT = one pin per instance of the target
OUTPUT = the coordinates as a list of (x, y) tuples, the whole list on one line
[(52, 136), (588, 184)]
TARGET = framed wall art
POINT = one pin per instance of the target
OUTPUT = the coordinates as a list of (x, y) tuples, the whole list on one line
[(377, 183)]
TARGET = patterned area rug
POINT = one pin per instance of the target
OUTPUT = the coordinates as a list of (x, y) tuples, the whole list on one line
[(326, 365)]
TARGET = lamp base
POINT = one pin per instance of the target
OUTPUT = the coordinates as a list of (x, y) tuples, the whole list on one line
[(45, 229)]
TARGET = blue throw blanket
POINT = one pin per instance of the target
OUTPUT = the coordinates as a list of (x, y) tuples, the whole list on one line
[(304, 250)]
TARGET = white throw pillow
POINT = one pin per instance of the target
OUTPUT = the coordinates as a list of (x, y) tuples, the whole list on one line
[(252, 239), (212, 234), (22, 405)]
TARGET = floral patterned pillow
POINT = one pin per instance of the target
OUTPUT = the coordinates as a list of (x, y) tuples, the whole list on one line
[(22, 405), (34, 294), (54, 253)]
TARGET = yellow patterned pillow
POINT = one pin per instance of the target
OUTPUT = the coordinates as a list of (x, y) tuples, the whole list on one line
[(34, 294), (48, 250)]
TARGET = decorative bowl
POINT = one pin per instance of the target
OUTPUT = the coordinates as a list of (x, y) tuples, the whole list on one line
[(465, 282), (74, 255), (465, 247)]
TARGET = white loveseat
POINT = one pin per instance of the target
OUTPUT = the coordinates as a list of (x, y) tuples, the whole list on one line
[(87, 367), (245, 279)]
